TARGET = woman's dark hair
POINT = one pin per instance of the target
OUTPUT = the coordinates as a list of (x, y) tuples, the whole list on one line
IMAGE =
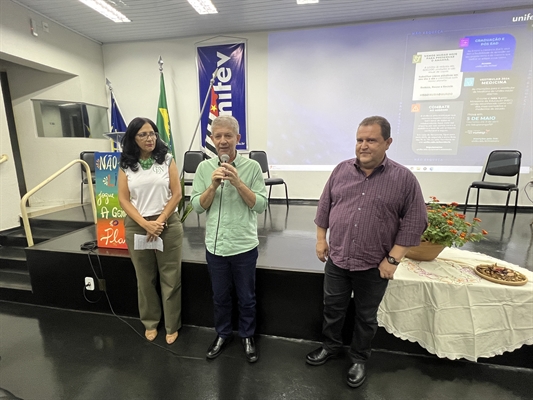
[(130, 149)]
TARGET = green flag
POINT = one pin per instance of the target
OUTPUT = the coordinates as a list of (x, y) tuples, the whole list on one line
[(163, 121)]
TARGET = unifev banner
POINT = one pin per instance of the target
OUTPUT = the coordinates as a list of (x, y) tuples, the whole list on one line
[(228, 94), (110, 231)]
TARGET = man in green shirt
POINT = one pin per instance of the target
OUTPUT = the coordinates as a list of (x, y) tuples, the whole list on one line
[(231, 189)]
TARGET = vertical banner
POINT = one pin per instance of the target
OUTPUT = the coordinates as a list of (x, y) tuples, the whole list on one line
[(228, 94), (110, 216)]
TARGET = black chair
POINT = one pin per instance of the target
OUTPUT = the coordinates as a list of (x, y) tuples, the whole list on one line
[(500, 163), (88, 157), (191, 159), (261, 158)]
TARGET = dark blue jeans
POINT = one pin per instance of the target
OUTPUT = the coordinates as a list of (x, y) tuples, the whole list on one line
[(368, 290), (227, 272)]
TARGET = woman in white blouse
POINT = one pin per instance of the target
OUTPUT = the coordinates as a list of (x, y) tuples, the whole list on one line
[(149, 191)]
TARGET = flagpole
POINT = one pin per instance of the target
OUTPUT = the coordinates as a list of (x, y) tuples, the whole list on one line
[(211, 82), (108, 83), (115, 142), (163, 117)]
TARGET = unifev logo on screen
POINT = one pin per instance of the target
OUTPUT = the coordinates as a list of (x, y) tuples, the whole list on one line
[(523, 18)]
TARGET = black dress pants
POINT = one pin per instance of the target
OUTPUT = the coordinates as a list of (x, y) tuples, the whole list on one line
[(368, 290)]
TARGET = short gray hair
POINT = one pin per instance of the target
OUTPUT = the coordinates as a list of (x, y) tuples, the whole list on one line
[(227, 121)]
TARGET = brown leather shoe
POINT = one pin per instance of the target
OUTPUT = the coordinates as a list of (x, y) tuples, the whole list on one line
[(319, 356), (356, 375)]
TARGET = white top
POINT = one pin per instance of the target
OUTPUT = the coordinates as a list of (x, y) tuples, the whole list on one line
[(452, 312), (150, 189)]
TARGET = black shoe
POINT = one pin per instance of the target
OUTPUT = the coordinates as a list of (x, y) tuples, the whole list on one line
[(319, 356), (356, 375), (250, 350), (217, 346)]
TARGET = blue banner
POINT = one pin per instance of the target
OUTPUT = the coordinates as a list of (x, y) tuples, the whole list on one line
[(229, 85), (117, 123)]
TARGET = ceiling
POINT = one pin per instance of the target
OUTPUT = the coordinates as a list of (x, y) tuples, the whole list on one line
[(168, 19)]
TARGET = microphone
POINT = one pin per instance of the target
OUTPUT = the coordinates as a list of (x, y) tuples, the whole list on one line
[(224, 158)]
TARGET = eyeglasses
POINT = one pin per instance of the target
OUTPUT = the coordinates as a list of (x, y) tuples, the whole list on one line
[(146, 135)]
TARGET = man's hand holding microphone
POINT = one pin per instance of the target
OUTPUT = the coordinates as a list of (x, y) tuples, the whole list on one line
[(226, 172)]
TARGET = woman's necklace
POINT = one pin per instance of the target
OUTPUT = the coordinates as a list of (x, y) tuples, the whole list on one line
[(146, 164)]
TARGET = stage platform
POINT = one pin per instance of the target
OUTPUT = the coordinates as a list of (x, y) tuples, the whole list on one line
[(289, 276)]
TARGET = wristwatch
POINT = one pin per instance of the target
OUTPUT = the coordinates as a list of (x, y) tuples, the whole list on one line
[(392, 260)]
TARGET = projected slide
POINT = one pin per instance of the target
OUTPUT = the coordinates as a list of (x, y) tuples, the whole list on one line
[(464, 97), (453, 88)]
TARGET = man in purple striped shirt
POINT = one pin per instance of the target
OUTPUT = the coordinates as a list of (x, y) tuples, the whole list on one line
[(374, 210)]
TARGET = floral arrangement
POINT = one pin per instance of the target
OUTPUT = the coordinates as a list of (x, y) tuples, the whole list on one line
[(449, 228)]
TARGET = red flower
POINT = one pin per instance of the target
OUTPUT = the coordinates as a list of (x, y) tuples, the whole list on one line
[(484, 232), (447, 226)]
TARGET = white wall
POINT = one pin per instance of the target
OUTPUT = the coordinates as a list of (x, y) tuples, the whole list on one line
[(133, 70), (66, 66), (9, 190), (59, 65)]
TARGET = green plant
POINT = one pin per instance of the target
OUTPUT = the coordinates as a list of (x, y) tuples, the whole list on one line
[(449, 228), (183, 211)]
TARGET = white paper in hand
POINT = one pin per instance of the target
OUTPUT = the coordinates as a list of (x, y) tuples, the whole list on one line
[(141, 243)]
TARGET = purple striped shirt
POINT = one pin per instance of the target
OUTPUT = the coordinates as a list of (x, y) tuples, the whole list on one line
[(367, 216)]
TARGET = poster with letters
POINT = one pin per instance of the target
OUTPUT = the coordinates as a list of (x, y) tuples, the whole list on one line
[(226, 63), (110, 231)]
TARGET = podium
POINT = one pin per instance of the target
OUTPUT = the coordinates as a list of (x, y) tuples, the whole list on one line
[(116, 137)]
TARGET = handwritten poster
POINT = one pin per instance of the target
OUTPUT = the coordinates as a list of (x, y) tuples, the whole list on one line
[(110, 231)]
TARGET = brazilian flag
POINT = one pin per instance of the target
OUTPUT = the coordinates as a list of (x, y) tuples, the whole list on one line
[(163, 121)]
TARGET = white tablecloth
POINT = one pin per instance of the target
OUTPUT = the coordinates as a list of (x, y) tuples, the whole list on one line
[(452, 312)]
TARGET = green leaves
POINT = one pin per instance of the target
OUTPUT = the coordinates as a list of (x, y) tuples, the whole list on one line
[(448, 227), (183, 211)]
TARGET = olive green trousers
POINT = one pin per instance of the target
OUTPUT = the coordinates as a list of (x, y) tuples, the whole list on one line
[(148, 263)]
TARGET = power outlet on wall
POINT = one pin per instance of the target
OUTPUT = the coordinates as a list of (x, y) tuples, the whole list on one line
[(89, 283)]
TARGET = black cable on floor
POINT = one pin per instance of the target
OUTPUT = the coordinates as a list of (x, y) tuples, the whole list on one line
[(119, 317)]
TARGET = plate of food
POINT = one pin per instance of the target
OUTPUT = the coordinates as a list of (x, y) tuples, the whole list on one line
[(500, 274)]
